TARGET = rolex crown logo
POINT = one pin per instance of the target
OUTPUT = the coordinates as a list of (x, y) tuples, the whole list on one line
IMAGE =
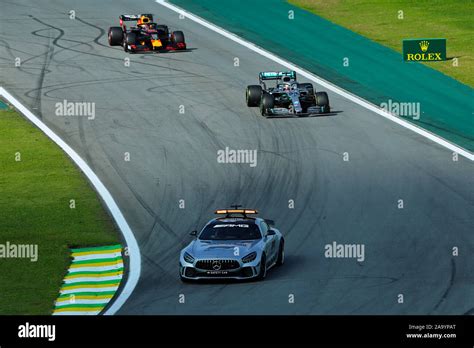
[(424, 45)]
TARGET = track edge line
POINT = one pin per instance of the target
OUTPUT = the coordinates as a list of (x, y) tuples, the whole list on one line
[(315, 78), (132, 245)]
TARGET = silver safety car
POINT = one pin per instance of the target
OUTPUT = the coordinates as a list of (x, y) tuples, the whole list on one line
[(235, 245)]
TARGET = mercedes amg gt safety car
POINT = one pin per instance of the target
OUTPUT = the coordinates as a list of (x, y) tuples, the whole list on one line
[(236, 245), (145, 36), (288, 97)]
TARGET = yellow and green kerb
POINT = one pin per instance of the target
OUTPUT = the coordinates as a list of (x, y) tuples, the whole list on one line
[(91, 282)]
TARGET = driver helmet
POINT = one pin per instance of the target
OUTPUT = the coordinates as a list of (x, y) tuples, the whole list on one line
[(286, 83), (144, 20)]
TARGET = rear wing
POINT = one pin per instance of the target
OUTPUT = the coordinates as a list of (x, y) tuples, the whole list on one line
[(136, 18), (127, 18), (276, 75)]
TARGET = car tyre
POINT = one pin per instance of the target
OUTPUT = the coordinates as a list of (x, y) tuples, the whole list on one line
[(307, 86), (263, 268), (281, 253), (178, 37), (322, 100), (115, 36), (267, 103), (130, 39), (253, 95)]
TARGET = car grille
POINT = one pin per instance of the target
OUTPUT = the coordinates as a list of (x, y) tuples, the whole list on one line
[(217, 265)]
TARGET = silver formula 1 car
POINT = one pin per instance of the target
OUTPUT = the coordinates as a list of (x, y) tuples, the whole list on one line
[(288, 97), (233, 246)]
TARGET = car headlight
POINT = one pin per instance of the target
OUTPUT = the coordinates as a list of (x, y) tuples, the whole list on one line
[(250, 257), (188, 258)]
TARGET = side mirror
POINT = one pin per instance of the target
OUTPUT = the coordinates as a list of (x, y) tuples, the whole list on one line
[(270, 222), (271, 232), (194, 233)]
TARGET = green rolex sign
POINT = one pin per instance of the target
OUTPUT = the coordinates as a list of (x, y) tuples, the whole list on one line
[(424, 50)]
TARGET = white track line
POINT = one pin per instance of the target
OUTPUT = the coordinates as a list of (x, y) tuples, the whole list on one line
[(95, 257), (134, 251), (92, 279), (90, 289), (336, 89), (59, 304), (114, 267)]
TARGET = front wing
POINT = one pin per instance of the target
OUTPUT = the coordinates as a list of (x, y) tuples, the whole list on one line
[(146, 46), (313, 110)]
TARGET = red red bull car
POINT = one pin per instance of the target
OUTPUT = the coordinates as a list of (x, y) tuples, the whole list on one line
[(146, 35)]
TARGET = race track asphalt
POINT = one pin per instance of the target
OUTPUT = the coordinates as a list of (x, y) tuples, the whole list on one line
[(173, 157)]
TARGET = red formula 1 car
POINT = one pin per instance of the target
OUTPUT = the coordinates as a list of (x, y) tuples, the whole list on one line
[(145, 36)]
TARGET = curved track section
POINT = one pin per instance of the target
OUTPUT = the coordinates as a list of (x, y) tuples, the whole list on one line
[(173, 157)]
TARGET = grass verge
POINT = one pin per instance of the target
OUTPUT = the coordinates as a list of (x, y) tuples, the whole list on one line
[(378, 21), (37, 183)]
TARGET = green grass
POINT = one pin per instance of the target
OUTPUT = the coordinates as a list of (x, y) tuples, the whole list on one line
[(378, 20), (34, 209)]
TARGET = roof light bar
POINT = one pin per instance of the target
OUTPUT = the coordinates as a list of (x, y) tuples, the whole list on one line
[(236, 211)]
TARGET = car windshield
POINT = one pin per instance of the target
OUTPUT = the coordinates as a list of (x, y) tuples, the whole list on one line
[(231, 231)]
